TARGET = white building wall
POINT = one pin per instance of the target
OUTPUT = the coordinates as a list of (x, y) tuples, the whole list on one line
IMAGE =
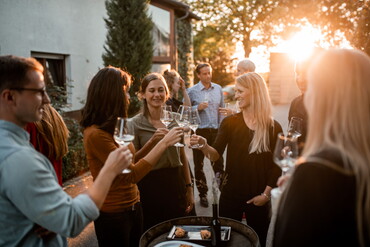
[(70, 27)]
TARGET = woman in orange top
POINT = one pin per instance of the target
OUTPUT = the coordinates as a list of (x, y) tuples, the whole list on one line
[(120, 222)]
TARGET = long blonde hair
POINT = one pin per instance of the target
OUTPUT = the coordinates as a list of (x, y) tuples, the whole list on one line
[(338, 105), (54, 131), (260, 106)]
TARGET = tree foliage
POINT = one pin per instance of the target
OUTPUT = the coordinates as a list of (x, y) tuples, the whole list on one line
[(129, 43), (282, 17), (213, 46), (238, 18), (333, 17)]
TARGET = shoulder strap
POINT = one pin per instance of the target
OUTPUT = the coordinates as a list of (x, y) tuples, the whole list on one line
[(329, 164)]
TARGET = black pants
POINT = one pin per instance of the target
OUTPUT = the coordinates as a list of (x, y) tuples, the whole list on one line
[(198, 156), (258, 217), (163, 195), (120, 229)]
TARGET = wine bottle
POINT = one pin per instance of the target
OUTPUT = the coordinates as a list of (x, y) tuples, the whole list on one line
[(215, 227)]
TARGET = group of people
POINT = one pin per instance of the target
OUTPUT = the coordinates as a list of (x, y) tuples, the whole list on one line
[(326, 201)]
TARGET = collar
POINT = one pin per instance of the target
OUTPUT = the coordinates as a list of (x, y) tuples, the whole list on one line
[(201, 86), (15, 129)]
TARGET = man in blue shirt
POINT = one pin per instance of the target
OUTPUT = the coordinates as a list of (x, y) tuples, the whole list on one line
[(34, 209), (207, 98)]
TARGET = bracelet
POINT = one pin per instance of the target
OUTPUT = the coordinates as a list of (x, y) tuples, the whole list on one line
[(265, 195), (189, 185)]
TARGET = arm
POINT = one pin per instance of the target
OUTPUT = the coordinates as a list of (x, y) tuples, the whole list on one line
[(263, 198), (185, 94), (30, 184), (144, 165), (173, 136), (149, 145), (117, 161), (187, 178), (207, 150)]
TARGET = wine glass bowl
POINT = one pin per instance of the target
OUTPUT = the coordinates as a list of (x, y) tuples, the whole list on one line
[(295, 127), (194, 123), (286, 152), (182, 119), (166, 115), (122, 135)]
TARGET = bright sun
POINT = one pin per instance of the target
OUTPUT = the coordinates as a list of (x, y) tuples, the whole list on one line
[(301, 45)]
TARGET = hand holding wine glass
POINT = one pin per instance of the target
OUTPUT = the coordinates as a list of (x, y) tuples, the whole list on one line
[(194, 123), (295, 127), (286, 152), (122, 135), (182, 119)]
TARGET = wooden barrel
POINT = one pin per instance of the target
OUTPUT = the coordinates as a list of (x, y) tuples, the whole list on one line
[(241, 234)]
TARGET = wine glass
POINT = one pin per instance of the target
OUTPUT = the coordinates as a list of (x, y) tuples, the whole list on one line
[(286, 152), (166, 115), (194, 123), (182, 119), (122, 135), (295, 127)]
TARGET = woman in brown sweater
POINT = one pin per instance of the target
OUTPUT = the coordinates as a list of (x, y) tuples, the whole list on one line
[(120, 222)]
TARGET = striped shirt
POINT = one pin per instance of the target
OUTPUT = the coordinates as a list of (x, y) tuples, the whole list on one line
[(210, 117)]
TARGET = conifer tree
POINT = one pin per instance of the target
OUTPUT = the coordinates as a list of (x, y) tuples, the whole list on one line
[(129, 43)]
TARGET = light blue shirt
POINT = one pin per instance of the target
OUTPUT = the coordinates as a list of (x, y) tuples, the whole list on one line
[(209, 117), (30, 194)]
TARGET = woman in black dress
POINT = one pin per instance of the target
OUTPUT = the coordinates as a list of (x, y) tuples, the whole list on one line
[(250, 173), (327, 199)]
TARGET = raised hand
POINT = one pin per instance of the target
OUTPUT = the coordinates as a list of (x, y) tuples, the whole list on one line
[(195, 139), (202, 106), (173, 136), (119, 159), (158, 135)]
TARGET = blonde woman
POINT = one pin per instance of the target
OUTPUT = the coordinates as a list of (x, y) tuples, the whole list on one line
[(250, 137), (49, 136), (327, 201)]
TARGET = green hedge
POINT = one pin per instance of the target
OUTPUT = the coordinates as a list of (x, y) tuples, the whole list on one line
[(74, 163)]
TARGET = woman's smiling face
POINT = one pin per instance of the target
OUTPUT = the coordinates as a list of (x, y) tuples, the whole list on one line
[(242, 95), (155, 93)]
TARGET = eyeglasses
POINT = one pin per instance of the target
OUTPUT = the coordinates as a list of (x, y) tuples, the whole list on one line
[(42, 91)]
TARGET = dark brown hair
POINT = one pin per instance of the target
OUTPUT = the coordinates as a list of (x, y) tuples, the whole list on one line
[(106, 99), (200, 66), (13, 71)]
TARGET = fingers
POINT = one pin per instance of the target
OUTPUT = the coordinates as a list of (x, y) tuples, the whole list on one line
[(282, 180), (173, 136), (125, 156)]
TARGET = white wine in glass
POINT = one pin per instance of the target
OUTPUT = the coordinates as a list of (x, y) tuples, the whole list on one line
[(194, 123), (123, 136), (166, 115), (182, 119)]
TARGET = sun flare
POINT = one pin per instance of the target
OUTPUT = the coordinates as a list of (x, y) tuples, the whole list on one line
[(302, 43)]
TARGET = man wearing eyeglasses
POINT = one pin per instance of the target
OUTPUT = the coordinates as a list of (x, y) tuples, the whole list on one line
[(34, 209)]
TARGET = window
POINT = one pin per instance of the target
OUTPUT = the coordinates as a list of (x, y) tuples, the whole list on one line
[(163, 36), (161, 31), (54, 74)]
